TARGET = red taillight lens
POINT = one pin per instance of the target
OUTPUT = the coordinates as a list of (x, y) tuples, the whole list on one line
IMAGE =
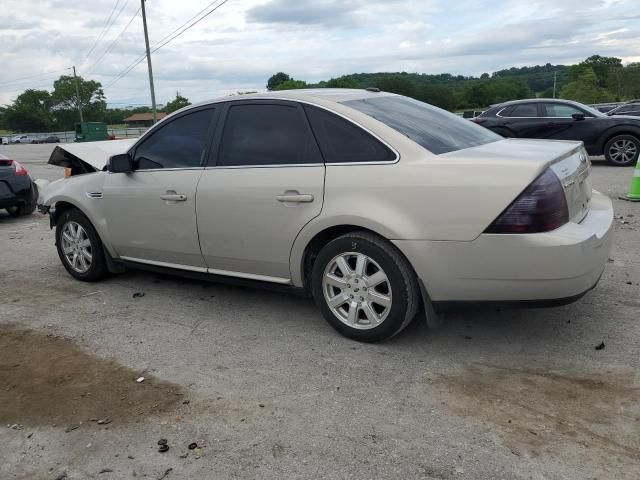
[(20, 170), (542, 207), (478, 120)]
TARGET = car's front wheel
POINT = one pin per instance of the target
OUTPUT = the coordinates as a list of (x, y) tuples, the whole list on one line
[(79, 247), (364, 287), (622, 150)]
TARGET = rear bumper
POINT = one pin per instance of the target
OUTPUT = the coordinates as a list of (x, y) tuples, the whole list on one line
[(17, 191), (539, 269)]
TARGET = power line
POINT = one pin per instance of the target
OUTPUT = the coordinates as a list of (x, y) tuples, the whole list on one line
[(107, 26), (167, 39), (113, 43)]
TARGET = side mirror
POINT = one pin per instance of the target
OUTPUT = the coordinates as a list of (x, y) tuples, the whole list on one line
[(578, 116), (122, 163)]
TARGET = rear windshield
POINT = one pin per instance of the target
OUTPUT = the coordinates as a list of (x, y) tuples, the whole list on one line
[(433, 128)]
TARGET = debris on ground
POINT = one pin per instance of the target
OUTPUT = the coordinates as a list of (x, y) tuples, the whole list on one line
[(140, 379), (162, 441), (192, 446), (163, 448), (600, 347), (104, 421), (138, 294), (105, 470), (62, 476), (71, 429), (166, 472)]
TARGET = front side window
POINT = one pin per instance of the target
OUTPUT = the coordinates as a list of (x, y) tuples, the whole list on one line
[(267, 134), (561, 110), (181, 143), (343, 142), (435, 129), (524, 110)]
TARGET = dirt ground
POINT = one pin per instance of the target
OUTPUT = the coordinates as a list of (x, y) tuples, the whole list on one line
[(266, 389)]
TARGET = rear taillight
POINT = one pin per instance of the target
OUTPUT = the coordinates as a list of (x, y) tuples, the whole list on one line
[(17, 166), (20, 170), (479, 120), (542, 207)]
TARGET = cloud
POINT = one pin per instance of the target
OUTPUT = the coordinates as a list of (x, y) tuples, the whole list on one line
[(244, 42)]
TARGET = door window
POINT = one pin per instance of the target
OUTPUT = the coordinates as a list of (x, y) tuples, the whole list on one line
[(561, 110), (524, 110), (341, 141), (267, 134), (181, 143)]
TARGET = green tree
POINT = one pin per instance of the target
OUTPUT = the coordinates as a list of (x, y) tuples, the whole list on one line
[(291, 85), (65, 101), (399, 84), (276, 80), (606, 70), (31, 111), (437, 95), (177, 103), (584, 85), (342, 82)]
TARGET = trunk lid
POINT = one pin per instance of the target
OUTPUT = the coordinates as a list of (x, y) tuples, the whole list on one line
[(574, 172)]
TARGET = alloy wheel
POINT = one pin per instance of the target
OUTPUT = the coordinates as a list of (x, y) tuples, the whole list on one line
[(76, 247), (357, 290), (623, 151)]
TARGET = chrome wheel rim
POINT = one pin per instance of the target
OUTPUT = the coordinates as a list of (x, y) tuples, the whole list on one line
[(76, 247), (357, 290), (623, 151)]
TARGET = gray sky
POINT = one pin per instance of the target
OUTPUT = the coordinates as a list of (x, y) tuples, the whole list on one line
[(245, 41)]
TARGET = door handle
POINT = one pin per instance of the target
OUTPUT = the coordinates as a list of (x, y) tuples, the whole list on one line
[(173, 197), (294, 197)]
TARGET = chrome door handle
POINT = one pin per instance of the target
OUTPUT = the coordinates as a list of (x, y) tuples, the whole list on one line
[(173, 197), (295, 197)]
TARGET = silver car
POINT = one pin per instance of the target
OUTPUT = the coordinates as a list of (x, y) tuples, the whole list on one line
[(377, 205)]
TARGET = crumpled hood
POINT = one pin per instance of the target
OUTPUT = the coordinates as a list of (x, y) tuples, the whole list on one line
[(94, 154)]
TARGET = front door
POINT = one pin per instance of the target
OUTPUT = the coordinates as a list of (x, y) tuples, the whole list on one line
[(151, 212), (265, 184)]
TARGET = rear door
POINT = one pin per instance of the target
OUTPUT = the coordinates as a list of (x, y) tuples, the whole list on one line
[(264, 183), (523, 119), (150, 213)]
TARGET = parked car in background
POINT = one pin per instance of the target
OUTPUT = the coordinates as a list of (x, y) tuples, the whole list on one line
[(631, 108), (616, 137), (23, 139), (356, 197), (18, 193), (49, 139)]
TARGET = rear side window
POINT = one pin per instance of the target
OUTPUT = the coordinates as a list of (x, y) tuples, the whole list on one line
[(267, 134), (524, 110), (343, 142), (181, 143), (435, 129)]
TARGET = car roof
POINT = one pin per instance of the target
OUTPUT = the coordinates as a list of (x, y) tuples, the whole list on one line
[(311, 95), (529, 100)]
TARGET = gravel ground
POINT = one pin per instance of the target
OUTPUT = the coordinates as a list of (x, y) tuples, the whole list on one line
[(266, 389)]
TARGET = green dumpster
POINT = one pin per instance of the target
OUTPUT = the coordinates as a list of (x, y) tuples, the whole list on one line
[(91, 131)]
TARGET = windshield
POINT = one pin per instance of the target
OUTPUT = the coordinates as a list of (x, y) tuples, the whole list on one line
[(433, 128)]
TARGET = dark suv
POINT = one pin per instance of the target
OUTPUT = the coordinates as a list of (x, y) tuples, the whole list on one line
[(616, 137)]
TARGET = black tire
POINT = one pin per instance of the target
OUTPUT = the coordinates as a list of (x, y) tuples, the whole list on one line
[(21, 210), (98, 267), (401, 278), (612, 147)]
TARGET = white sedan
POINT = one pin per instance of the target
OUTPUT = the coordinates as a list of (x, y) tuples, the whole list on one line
[(377, 205)]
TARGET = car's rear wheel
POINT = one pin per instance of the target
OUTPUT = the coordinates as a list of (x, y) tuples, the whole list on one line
[(79, 247), (622, 150), (20, 210), (364, 287)]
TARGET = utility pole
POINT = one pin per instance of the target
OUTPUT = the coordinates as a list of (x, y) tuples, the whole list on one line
[(77, 94), (555, 74), (146, 41)]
